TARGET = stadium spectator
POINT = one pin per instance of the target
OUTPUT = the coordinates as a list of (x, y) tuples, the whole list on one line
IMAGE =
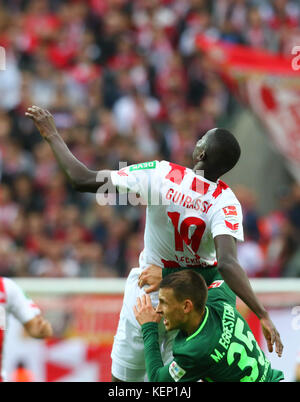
[(93, 62)]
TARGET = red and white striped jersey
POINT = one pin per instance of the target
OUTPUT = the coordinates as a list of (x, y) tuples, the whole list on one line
[(13, 301), (185, 212)]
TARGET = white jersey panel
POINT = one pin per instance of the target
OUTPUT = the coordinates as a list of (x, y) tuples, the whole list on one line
[(21, 307), (184, 213)]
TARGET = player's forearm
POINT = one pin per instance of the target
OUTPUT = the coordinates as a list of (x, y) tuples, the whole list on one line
[(156, 371), (237, 280), (76, 172)]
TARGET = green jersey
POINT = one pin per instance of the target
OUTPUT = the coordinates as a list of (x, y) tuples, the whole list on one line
[(222, 349)]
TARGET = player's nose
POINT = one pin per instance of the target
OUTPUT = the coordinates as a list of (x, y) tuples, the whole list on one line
[(158, 309)]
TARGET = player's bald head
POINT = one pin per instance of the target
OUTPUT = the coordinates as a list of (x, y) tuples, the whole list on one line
[(218, 150)]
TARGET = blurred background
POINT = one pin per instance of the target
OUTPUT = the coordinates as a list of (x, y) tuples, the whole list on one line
[(133, 81)]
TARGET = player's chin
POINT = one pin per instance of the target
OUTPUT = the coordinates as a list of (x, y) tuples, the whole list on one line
[(167, 325)]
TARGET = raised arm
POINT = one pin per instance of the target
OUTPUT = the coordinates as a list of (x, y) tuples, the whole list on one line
[(237, 280), (80, 177)]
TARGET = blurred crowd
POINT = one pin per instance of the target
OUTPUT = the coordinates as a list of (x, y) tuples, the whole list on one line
[(124, 82)]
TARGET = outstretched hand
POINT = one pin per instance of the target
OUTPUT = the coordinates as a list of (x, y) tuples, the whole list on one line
[(144, 311), (272, 335), (43, 121)]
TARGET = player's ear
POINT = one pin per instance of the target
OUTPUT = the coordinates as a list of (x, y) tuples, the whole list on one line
[(202, 155), (188, 306)]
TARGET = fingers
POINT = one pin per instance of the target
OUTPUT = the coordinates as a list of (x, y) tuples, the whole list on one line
[(35, 112), (32, 113), (142, 280), (148, 301), (43, 327), (278, 345), (270, 345), (274, 338), (46, 329), (142, 302), (271, 340), (137, 308), (138, 303), (150, 289)]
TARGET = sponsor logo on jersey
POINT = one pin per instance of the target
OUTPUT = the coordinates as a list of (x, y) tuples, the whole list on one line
[(216, 284), (122, 172), (230, 211), (232, 226), (144, 165), (176, 371)]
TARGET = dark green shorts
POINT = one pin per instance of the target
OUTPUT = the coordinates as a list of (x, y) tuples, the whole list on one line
[(209, 274)]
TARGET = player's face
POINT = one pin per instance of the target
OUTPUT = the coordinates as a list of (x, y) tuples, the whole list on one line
[(201, 144), (171, 309)]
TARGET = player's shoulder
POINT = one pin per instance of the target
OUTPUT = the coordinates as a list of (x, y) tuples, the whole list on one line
[(8, 285), (224, 195), (8, 290), (168, 165), (174, 172), (199, 344)]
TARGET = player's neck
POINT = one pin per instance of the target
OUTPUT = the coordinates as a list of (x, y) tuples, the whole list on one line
[(194, 323), (202, 170)]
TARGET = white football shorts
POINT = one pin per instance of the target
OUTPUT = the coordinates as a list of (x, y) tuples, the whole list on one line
[(128, 360)]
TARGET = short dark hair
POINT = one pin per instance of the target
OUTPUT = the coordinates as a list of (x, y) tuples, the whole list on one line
[(187, 284), (223, 150)]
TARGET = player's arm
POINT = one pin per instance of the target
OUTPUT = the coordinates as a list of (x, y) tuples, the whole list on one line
[(26, 311), (148, 318), (80, 177), (237, 280), (156, 371), (38, 327)]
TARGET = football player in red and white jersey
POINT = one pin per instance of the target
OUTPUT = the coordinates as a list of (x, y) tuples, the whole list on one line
[(13, 301), (192, 220)]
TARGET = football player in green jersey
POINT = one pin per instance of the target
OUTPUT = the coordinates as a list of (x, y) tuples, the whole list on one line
[(214, 342)]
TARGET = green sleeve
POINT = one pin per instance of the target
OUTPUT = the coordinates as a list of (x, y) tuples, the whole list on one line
[(221, 293), (156, 371)]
